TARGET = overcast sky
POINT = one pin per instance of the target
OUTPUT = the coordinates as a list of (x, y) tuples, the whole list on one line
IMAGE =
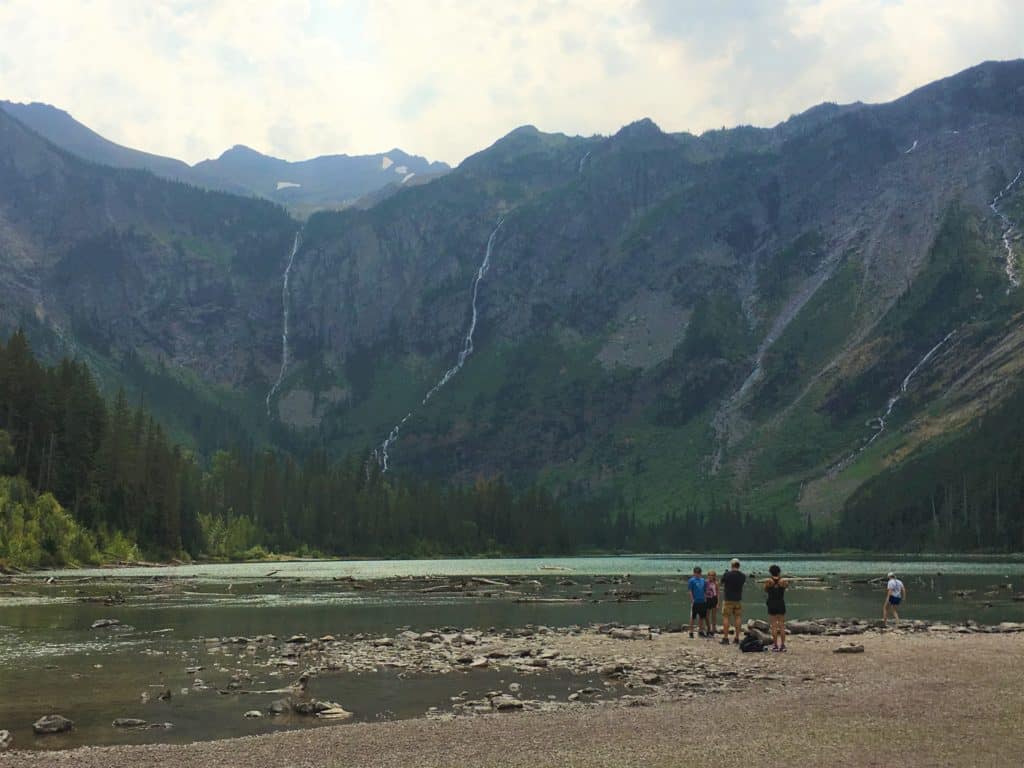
[(189, 78)]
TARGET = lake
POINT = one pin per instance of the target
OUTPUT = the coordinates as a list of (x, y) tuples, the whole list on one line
[(51, 660)]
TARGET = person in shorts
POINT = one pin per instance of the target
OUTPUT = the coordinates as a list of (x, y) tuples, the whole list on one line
[(732, 603), (775, 589), (711, 598), (895, 593), (698, 602)]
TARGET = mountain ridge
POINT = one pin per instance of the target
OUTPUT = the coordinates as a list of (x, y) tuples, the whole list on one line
[(325, 181)]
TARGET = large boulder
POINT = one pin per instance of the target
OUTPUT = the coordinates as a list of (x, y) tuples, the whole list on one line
[(52, 724), (6, 741)]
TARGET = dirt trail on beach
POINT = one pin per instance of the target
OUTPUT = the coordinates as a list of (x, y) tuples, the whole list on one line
[(909, 700)]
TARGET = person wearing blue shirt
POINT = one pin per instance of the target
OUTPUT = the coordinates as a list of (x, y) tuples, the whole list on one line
[(698, 603)]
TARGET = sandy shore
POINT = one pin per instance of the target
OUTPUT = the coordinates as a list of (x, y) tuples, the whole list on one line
[(921, 699)]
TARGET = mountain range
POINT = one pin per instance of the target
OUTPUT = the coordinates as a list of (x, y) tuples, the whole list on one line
[(818, 321), (329, 181)]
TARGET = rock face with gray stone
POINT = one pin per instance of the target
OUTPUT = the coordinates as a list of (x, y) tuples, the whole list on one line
[(48, 724)]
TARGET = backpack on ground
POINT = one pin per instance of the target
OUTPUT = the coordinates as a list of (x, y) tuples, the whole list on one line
[(750, 644)]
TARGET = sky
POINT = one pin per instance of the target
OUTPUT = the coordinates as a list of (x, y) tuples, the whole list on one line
[(444, 79)]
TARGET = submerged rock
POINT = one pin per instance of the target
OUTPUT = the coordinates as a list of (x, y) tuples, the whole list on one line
[(280, 707), (252, 714), (334, 713), (52, 724), (101, 623), (128, 722)]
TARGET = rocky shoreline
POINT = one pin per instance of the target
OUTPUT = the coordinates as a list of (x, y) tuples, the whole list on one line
[(649, 678), (616, 653), (591, 666)]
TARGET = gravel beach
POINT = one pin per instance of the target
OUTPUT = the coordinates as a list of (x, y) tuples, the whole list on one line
[(913, 699)]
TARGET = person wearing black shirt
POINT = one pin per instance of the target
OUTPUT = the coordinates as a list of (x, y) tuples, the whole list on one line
[(732, 605)]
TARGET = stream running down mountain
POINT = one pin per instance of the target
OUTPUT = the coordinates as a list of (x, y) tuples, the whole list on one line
[(382, 453), (1008, 231), (878, 422), (284, 320)]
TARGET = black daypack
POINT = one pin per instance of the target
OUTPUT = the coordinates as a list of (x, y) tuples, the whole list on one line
[(750, 644)]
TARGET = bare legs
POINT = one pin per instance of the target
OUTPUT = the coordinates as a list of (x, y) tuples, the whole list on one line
[(778, 627)]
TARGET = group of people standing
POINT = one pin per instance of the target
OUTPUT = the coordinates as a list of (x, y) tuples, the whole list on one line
[(704, 603)]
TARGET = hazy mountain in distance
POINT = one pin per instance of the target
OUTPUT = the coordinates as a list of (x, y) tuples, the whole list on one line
[(329, 181), (62, 129)]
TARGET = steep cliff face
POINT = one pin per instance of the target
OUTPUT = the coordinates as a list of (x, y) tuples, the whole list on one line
[(775, 315), (116, 262)]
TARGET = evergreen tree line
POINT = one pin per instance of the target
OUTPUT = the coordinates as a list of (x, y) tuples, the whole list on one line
[(123, 482), (966, 495), (124, 486)]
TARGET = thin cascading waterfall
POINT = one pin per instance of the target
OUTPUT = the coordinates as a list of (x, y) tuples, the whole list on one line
[(285, 314), (1008, 230), (878, 423), (382, 453)]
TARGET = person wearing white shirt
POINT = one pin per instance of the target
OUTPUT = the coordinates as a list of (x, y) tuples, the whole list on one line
[(895, 593)]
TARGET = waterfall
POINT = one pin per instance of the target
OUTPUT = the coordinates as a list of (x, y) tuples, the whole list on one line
[(878, 423), (383, 457), (1008, 231), (284, 320)]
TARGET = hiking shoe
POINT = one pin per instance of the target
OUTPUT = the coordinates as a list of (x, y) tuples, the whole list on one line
[(691, 635), (725, 641), (736, 641)]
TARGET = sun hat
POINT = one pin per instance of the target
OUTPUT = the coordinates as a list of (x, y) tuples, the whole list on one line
[(892, 575)]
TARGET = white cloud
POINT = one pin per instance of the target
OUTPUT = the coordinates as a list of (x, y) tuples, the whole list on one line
[(444, 79)]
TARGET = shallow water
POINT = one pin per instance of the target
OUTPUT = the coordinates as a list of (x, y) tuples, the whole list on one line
[(52, 661)]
